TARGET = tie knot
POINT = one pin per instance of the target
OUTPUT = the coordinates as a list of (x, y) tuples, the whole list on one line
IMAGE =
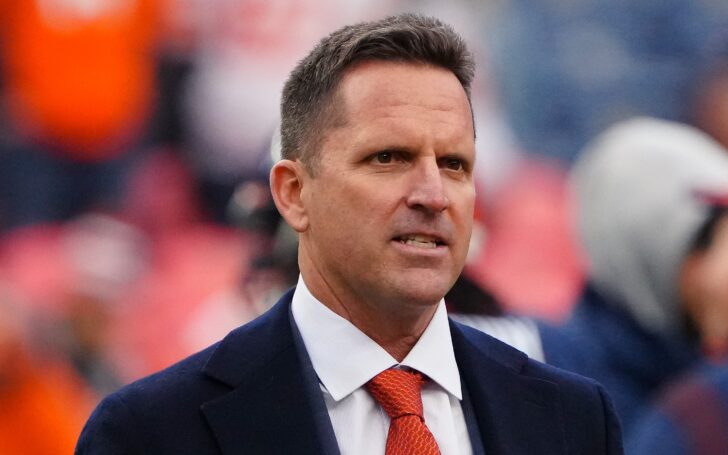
[(398, 392)]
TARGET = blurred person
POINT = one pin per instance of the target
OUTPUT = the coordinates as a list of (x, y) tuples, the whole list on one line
[(86, 325), (378, 147), (126, 287), (188, 294), (42, 403), (689, 418), (78, 88), (645, 192), (105, 257), (75, 274)]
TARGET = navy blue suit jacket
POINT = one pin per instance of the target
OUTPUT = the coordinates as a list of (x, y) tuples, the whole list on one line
[(255, 392)]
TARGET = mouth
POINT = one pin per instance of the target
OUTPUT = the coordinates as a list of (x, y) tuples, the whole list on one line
[(420, 241)]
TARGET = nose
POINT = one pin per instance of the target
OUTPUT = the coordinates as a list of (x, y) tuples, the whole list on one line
[(427, 192)]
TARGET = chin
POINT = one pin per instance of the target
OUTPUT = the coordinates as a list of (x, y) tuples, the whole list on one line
[(424, 291)]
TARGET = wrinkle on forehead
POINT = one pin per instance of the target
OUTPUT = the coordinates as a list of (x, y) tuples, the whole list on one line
[(370, 83)]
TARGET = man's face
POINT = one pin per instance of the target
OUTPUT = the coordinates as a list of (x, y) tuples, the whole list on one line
[(390, 208)]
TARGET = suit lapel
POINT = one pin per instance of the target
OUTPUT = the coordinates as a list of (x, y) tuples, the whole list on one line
[(275, 405), (515, 414)]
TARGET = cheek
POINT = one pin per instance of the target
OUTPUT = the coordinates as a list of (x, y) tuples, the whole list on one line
[(465, 210), (718, 288), (715, 273), (708, 298), (347, 214)]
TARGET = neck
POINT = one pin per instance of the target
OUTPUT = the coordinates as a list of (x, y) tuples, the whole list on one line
[(395, 326), (396, 334)]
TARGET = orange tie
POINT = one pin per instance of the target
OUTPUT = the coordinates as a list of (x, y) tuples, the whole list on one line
[(398, 391)]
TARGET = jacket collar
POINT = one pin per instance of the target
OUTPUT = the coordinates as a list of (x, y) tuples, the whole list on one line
[(275, 405)]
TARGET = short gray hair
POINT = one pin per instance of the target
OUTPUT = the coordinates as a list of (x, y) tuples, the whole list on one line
[(308, 105)]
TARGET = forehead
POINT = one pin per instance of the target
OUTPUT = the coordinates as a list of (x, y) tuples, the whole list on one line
[(385, 96), (382, 84)]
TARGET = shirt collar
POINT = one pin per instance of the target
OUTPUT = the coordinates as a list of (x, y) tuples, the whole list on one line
[(345, 359)]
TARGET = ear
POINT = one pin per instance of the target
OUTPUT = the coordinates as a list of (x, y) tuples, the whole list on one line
[(286, 182)]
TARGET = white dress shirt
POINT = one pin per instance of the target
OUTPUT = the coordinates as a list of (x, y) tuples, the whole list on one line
[(345, 359)]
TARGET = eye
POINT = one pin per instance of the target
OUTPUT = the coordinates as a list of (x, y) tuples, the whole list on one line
[(453, 164), (384, 157), (389, 157)]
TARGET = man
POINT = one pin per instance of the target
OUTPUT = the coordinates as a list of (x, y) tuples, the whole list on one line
[(376, 178)]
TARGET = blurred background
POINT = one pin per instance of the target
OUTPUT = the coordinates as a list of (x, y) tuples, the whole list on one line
[(136, 137)]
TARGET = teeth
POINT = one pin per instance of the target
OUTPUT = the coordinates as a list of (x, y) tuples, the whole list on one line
[(420, 241)]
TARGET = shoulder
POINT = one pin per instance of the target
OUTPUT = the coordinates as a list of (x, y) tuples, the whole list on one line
[(518, 362), (164, 403), (575, 406), (172, 385), (165, 408), (579, 395), (220, 366)]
